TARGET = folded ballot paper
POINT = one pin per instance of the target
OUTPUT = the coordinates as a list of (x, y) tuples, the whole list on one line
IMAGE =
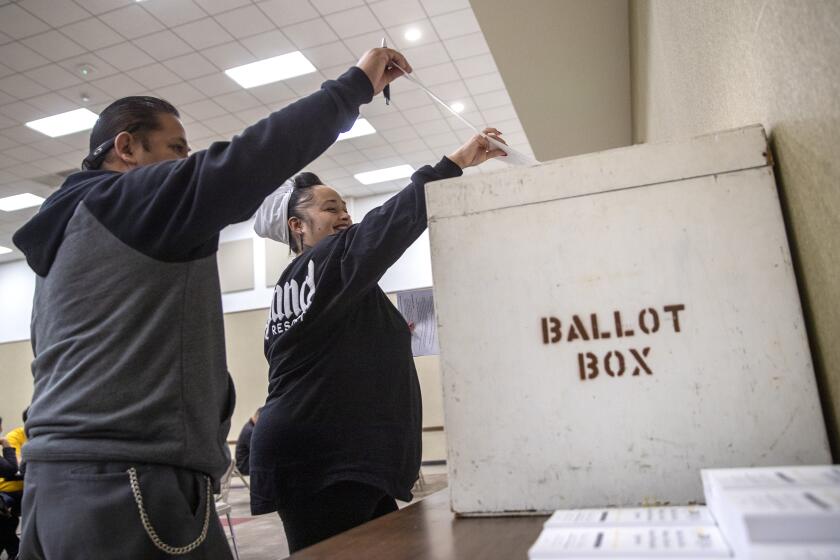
[(618, 517), (652, 541), (788, 510)]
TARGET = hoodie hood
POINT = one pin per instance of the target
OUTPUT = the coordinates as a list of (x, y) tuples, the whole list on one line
[(40, 237)]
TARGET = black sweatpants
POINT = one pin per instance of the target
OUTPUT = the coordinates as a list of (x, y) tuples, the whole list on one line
[(335, 509), (87, 510)]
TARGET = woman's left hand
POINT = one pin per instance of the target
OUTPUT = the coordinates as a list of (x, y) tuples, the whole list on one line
[(478, 149)]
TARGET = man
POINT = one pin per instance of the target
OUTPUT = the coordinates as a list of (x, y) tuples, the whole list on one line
[(243, 445), (132, 399)]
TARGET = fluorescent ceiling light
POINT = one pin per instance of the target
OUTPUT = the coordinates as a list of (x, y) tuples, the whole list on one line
[(271, 70), (382, 175), (65, 123), (4, 250), (458, 107), (412, 34), (19, 201), (361, 128)]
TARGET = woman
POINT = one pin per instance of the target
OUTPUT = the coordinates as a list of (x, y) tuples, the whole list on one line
[(339, 437)]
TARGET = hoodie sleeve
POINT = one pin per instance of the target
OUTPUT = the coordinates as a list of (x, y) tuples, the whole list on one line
[(173, 210), (375, 244)]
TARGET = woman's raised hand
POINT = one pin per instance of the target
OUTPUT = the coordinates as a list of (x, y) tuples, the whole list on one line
[(478, 149)]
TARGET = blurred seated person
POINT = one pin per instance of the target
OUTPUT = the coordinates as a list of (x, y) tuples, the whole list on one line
[(11, 493), (243, 445), (17, 438)]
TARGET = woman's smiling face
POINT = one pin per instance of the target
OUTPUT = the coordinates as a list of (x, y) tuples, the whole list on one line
[(324, 215)]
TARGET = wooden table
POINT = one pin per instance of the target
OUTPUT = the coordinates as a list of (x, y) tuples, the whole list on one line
[(429, 530)]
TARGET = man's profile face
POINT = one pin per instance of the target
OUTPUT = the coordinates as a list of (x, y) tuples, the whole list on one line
[(167, 143)]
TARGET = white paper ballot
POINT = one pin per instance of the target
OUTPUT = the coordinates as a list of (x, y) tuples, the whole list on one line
[(630, 542), (614, 517)]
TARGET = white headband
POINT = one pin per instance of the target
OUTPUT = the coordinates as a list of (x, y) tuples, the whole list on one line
[(273, 215)]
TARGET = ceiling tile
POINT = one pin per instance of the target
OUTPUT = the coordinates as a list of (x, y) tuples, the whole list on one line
[(310, 33), (237, 101), (215, 84), (5, 98), (422, 114), (392, 119), (225, 124), (54, 13), (330, 6), (53, 103), (50, 147), (368, 142), (400, 134), (18, 23), (125, 56), (132, 21), (445, 140), (92, 34), (163, 45), (203, 33), (21, 112), (353, 22), (154, 76), (251, 116), (397, 12), (452, 91), (329, 55), (20, 58), (268, 44), (288, 12), (378, 152), (197, 130), (228, 55), (476, 65), (100, 68), (426, 55), (485, 83), (438, 74), (22, 135), (95, 96), (273, 93), (53, 77), (217, 6), (306, 84), (435, 7), (53, 45), (21, 87), (203, 109), (350, 157), (424, 26), (100, 6), (466, 46), (492, 99), (360, 44), (437, 126), (5, 70), (191, 66), (455, 24), (24, 153), (119, 85), (244, 22), (178, 94), (174, 13)]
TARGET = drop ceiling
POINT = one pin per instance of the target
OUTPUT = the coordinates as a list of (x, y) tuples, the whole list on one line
[(60, 55)]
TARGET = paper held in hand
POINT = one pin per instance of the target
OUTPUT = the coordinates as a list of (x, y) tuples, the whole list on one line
[(514, 157)]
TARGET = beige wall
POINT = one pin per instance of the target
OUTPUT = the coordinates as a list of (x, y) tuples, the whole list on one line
[(706, 65), (566, 66), (15, 382)]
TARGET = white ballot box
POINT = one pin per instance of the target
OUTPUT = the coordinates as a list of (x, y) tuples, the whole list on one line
[(609, 324)]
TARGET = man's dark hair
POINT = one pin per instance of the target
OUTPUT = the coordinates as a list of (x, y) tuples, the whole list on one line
[(300, 198), (137, 115)]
